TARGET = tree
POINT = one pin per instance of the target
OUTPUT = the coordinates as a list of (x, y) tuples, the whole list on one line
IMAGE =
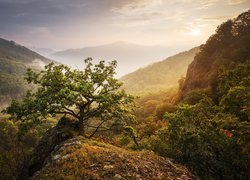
[(237, 102), (234, 89), (214, 144), (91, 97)]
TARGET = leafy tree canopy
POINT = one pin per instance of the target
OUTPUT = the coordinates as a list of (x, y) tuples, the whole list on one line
[(92, 97), (234, 87), (213, 143)]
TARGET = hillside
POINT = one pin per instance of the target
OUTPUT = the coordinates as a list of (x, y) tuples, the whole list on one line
[(207, 122), (228, 47), (14, 61), (129, 56), (160, 75)]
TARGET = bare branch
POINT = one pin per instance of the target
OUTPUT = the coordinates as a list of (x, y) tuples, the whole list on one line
[(97, 128)]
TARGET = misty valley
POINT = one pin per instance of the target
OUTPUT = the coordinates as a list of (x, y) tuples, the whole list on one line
[(123, 110)]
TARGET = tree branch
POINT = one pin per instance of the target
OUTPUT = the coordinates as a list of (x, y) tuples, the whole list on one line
[(97, 128), (65, 112), (71, 112)]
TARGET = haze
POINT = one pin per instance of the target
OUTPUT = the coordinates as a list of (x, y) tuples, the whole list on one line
[(63, 24)]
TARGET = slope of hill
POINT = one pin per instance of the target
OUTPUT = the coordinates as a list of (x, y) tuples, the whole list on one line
[(129, 56), (228, 47), (14, 61), (160, 75)]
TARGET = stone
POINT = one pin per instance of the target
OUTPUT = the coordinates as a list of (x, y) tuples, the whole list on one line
[(64, 130)]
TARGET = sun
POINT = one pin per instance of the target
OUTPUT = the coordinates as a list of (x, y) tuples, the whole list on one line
[(195, 32)]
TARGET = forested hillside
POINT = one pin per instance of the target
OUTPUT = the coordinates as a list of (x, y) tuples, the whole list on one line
[(205, 125), (159, 76), (14, 61), (228, 47)]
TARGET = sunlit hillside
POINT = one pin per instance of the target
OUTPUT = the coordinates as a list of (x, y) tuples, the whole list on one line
[(160, 75)]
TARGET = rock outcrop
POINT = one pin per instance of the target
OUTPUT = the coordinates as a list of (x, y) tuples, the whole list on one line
[(80, 158), (64, 130)]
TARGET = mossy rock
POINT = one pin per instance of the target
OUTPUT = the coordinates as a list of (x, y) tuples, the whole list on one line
[(80, 158)]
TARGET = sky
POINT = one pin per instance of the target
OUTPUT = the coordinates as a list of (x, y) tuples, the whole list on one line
[(63, 24)]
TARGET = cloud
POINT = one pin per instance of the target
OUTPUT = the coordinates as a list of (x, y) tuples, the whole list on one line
[(146, 12), (218, 18), (17, 1), (135, 4), (38, 63), (234, 2), (69, 24), (39, 31)]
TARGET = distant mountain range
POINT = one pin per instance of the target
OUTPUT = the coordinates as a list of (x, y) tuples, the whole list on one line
[(160, 75), (43, 51), (14, 61), (129, 56)]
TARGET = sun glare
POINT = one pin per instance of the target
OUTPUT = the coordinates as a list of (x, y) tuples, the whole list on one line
[(195, 32)]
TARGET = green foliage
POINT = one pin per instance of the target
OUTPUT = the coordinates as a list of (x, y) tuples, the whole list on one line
[(8, 158), (124, 140), (12, 85), (235, 76), (209, 129), (15, 150), (234, 87), (194, 96), (210, 133), (130, 131), (237, 101), (150, 113), (14, 61), (213, 144), (211, 140), (87, 96), (162, 108)]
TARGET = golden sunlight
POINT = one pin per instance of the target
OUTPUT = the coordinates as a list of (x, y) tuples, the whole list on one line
[(195, 32)]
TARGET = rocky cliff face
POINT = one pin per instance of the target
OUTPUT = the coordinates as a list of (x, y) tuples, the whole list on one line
[(61, 154)]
